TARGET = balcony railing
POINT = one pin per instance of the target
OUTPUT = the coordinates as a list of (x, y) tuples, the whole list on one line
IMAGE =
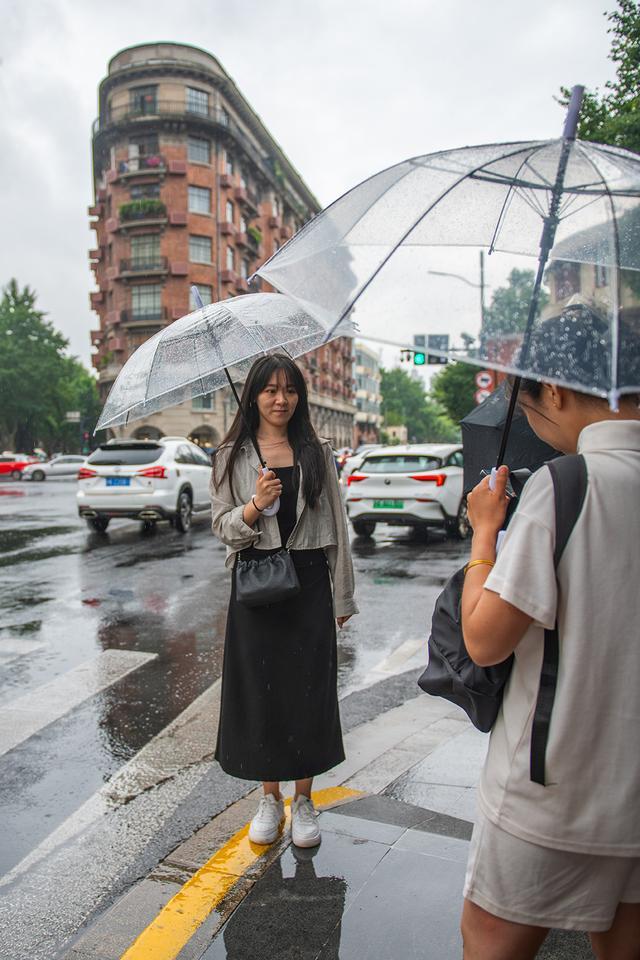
[(161, 109), (155, 162), (141, 265), (155, 315), (146, 209)]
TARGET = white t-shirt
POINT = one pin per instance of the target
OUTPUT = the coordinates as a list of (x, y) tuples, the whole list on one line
[(591, 803)]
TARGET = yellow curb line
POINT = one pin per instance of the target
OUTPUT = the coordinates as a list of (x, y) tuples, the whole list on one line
[(179, 919)]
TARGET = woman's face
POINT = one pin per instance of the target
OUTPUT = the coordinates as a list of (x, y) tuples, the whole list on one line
[(545, 419), (278, 401)]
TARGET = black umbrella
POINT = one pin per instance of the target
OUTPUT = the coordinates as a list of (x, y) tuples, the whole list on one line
[(482, 431)]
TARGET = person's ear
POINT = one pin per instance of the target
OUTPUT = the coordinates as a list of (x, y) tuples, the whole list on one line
[(556, 396)]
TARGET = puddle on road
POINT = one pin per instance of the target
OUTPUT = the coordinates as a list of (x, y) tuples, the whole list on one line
[(18, 629), (17, 539), (30, 556), (152, 558)]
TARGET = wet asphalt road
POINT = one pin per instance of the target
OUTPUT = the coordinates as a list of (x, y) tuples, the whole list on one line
[(147, 612)]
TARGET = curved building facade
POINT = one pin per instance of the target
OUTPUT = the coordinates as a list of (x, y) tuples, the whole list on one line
[(190, 188)]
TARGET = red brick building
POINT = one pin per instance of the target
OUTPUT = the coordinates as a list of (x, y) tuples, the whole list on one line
[(190, 188)]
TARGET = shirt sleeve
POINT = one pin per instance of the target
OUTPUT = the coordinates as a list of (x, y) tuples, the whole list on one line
[(524, 574)]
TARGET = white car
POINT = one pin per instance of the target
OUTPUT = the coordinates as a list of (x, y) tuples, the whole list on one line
[(418, 485), (61, 466), (146, 480)]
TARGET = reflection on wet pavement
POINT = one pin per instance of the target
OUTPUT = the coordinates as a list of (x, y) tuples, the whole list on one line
[(381, 888)]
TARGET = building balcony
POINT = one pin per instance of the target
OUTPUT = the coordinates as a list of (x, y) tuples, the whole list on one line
[(227, 228), (228, 276), (134, 166), (96, 254), (242, 285), (247, 198), (95, 210), (226, 180), (143, 266), (143, 318), (275, 222), (116, 345), (178, 218), (96, 299), (96, 338), (286, 232)]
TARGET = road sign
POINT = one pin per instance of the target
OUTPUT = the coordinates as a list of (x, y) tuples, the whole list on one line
[(420, 341), (438, 346), (481, 395), (73, 416), (484, 379)]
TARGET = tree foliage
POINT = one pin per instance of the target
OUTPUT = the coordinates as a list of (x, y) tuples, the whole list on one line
[(613, 116), (404, 401), (454, 388), (509, 308), (39, 382)]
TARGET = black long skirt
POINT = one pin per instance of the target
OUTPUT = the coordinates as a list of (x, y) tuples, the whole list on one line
[(279, 717)]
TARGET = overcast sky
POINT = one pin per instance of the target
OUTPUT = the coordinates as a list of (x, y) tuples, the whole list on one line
[(346, 87)]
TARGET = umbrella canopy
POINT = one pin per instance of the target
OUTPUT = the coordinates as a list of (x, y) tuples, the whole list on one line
[(197, 354), (482, 430), (569, 210)]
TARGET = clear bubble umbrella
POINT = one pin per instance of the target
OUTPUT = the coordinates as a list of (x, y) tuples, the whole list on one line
[(212, 347), (567, 209)]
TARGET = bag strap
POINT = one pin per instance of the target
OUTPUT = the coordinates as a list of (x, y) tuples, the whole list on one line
[(569, 475)]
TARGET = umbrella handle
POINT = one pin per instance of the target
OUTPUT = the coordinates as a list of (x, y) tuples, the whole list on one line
[(492, 486), (275, 506)]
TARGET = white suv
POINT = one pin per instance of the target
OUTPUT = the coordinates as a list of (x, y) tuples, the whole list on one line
[(417, 485), (146, 480)]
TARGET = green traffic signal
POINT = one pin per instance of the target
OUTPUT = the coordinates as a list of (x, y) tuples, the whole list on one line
[(419, 359)]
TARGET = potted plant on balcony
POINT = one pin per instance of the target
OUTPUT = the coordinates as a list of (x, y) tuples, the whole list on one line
[(144, 209)]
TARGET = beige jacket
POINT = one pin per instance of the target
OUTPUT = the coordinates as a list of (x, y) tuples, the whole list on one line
[(323, 526)]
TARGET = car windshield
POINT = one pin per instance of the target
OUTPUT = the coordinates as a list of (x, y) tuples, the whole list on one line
[(117, 456), (400, 463)]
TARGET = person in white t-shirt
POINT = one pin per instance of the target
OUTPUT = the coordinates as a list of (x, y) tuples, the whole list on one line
[(565, 855)]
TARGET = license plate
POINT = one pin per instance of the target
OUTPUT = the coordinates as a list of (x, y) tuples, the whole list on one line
[(388, 504), (118, 481)]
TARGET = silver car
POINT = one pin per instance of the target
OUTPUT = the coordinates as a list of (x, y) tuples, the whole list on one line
[(61, 466)]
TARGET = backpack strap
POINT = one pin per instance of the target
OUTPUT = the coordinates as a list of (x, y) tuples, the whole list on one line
[(569, 475)]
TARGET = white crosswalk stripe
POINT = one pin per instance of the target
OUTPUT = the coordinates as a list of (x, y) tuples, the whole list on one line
[(12, 649), (26, 716)]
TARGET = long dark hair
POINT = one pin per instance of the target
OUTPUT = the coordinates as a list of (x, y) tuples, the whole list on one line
[(307, 452)]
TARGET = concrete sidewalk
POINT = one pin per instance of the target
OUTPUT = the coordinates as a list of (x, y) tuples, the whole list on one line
[(385, 883)]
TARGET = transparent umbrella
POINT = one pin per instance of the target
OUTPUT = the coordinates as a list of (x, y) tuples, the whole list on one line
[(209, 349), (568, 210)]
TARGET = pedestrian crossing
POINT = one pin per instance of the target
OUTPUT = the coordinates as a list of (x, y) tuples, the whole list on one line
[(27, 715)]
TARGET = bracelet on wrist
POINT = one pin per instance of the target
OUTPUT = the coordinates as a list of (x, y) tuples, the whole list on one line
[(259, 509), (476, 563)]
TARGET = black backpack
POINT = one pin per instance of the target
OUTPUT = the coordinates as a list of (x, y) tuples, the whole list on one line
[(452, 674)]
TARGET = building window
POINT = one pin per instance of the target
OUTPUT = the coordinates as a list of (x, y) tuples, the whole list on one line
[(146, 301), (207, 402), (142, 190), (197, 101), (228, 164), (244, 269), (229, 211), (243, 224), (200, 249), (199, 200), (230, 258), (143, 99), (206, 295), (224, 117), (198, 150), (145, 250), (243, 180), (275, 206)]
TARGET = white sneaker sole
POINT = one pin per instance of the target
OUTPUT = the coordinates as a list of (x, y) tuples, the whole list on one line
[(307, 842)]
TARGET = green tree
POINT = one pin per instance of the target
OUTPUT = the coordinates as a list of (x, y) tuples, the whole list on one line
[(453, 388), (613, 116), (404, 401), (509, 306), (39, 383)]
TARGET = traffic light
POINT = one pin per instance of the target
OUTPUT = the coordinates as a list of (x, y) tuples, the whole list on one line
[(419, 358)]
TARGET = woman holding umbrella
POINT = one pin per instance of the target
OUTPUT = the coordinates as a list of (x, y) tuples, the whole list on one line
[(279, 717), (565, 854)]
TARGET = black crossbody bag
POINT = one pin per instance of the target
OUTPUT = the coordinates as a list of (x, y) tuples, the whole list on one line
[(266, 580), (453, 675)]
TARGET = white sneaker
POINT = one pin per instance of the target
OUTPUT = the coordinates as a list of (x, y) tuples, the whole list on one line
[(266, 824), (305, 831)]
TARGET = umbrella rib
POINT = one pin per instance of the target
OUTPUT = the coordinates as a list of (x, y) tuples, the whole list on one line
[(614, 392), (505, 206), (350, 305)]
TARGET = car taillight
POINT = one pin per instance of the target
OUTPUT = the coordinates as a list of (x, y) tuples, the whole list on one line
[(437, 478), (155, 473), (355, 478), (84, 473)]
